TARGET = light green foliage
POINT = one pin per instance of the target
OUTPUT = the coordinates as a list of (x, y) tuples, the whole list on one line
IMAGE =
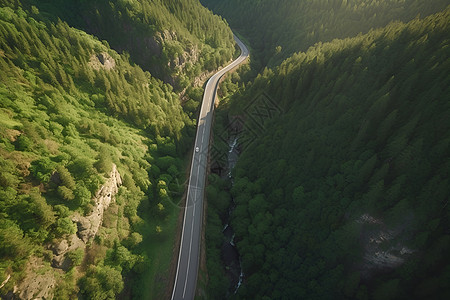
[(76, 256), (101, 283), (82, 195), (65, 177), (65, 193), (65, 226), (62, 126), (104, 162), (134, 239)]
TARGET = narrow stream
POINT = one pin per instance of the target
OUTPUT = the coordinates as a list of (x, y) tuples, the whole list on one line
[(230, 255)]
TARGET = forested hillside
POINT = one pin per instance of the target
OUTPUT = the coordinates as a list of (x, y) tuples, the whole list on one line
[(175, 40), (277, 29), (71, 110), (344, 194)]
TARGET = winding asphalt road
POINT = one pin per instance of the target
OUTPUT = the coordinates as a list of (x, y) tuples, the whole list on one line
[(189, 255)]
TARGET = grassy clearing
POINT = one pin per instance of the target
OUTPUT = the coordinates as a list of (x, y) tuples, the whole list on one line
[(159, 247)]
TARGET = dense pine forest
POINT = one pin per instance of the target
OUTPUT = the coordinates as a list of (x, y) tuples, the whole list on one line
[(277, 29), (176, 41), (341, 190), (93, 141)]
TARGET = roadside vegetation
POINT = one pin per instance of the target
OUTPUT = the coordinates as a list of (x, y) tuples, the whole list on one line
[(70, 108), (343, 193)]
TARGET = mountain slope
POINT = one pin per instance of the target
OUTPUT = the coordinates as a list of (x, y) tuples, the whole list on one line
[(174, 40), (71, 110), (343, 191), (277, 29)]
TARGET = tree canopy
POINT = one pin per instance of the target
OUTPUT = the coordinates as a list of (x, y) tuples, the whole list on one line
[(360, 148)]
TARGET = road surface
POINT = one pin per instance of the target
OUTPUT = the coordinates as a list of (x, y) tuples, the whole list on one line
[(189, 255)]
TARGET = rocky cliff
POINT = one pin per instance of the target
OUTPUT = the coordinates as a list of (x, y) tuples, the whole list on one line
[(40, 279), (88, 225)]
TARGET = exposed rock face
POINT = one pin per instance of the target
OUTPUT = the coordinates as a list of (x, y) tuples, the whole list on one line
[(60, 250), (40, 280), (88, 226), (5, 281), (383, 246), (61, 247), (177, 64), (38, 283), (102, 61)]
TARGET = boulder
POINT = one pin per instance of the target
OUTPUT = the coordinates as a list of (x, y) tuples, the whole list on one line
[(61, 247)]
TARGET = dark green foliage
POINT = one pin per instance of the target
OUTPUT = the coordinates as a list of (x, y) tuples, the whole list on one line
[(120, 257), (218, 202), (174, 40), (23, 143), (42, 169), (13, 244), (277, 29), (364, 130)]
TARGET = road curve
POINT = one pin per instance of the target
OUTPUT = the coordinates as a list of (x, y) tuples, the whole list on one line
[(189, 255)]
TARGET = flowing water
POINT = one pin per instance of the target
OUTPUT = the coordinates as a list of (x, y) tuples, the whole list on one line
[(230, 254)]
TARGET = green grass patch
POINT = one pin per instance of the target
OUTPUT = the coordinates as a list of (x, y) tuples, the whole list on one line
[(159, 248)]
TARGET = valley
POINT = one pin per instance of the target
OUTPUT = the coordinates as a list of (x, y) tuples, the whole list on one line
[(132, 167)]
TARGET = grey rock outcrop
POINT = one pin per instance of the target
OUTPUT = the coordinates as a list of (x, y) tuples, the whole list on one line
[(383, 247), (60, 260), (40, 280), (88, 226), (38, 283), (102, 61)]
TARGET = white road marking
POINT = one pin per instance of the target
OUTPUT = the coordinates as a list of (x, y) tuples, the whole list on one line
[(181, 246), (190, 247), (208, 99), (194, 202)]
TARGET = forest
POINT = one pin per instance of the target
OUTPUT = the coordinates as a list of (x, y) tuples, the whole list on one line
[(278, 29), (344, 193), (174, 40), (341, 190), (75, 115)]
